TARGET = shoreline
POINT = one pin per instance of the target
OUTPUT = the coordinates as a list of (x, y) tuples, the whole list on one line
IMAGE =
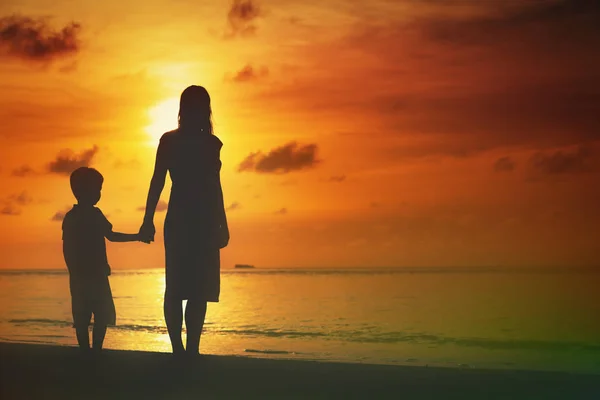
[(32, 371), (406, 269)]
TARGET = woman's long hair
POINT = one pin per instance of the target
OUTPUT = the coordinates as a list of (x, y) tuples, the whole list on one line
[(195, 114)]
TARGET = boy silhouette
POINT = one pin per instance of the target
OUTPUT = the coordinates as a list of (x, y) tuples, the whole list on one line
[(84, 229)]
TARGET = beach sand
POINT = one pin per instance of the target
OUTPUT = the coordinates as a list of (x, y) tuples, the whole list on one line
[(54, 372)]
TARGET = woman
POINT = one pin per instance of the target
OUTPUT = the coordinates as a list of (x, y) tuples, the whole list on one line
[(196, 225)]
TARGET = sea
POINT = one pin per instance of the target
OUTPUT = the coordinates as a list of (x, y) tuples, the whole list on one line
[(492, 318)]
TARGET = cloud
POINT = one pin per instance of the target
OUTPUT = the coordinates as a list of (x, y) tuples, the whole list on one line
[(233, 206), (281, 160), (28, 110), (241, 17), (33, 39), (337, 178), (562, 161), (10, 210), (23, 171), (281, 211), (562, 100), (161, 206), (21, 199), (249, 74), (67, 161), (570, 18), (474, 77), (60, 215), (504, 164), (13, 204)]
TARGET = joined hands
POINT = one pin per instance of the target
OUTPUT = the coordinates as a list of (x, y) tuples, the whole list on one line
[(147, 232)]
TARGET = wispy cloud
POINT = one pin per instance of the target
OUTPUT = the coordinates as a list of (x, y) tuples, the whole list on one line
[(467, 77), (249, 74), (10, 209), (14, 203), (233, 206), (133, 163), (281, 211), (563, 161), (337, 178), (241, 17), (23, 171), (21, 199), (504, 164)]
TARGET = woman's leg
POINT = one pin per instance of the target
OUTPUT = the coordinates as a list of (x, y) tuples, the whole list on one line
[(98, 334), (83, 337), (195, 312), (174, 319)]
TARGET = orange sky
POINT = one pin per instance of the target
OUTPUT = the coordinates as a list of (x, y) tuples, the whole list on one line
[(436, 133)]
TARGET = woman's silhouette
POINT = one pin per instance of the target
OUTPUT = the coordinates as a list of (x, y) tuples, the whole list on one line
[(196, 225)]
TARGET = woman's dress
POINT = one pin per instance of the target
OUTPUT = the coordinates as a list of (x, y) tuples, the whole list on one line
[(192, 221)]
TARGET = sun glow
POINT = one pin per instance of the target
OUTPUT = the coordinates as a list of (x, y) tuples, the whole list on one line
[(163, 118)]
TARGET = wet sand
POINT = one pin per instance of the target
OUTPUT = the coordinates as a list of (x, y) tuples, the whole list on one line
[(54, 372)]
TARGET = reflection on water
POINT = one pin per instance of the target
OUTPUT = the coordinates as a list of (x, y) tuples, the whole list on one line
[(436, 317)]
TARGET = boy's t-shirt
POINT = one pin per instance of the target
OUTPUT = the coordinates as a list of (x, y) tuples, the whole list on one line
[(84, 230)]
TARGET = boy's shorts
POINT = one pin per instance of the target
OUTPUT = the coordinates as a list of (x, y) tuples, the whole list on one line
[(92, 296)]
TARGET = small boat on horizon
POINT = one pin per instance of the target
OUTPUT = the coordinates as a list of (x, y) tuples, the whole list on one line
[(243, 266)]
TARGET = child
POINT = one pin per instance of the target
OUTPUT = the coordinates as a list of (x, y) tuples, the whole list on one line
[(84, 229)]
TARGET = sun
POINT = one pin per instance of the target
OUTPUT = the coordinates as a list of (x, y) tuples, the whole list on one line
[(163, 118)]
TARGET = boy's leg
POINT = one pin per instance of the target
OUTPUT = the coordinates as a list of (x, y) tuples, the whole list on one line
[(195, 312), (174, 319), (81, 320), (104, 312), (81, 311)]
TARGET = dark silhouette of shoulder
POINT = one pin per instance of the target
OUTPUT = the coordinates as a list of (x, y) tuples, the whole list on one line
[(207, 140), (81, 220), (168, 135)]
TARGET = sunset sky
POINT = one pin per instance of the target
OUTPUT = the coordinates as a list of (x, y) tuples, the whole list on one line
[(379, 133)]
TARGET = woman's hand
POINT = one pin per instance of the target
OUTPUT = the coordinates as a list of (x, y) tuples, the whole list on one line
[(147, 232)]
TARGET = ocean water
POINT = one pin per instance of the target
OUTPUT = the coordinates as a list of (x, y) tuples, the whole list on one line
[(457, 318)]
